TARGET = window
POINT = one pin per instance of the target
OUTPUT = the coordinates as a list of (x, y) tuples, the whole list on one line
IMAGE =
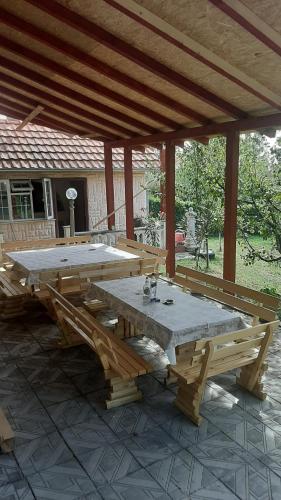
[(4, 200), (23, 199)]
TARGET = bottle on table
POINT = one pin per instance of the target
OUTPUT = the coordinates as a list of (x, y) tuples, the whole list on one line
[(153, 287), (146, 291)]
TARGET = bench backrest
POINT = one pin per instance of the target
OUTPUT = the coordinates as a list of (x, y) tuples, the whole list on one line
[(13, 246), (225, 352), (252, 302), (113, 353), (142, 249)]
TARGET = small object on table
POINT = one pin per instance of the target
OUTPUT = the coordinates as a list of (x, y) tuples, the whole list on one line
[(153, 287), (146, 291), (168, 302), (64, 260)]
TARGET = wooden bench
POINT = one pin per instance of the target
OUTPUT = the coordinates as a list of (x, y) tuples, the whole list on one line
[(245, 349), (120, 362), (142, 250), (6, 434), (12, 297), (257, 304)]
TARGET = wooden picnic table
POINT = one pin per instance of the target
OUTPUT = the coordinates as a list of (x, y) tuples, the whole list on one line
[(188, 319), (30, 264)]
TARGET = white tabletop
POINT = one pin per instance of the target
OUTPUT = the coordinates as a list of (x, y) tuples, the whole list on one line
[(61, 257), (189, 318)]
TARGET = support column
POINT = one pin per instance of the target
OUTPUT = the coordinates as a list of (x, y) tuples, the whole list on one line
[(230, 205), (128, 172), (169, 154), (162, 184), (109, 186)]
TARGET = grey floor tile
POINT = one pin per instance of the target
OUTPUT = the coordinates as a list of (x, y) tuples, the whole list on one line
[(88, 435), (50, 394), (149, 386), (9, 470), (128, 420), (152, 446), (216, 491), (71, 412), (62, 481), (186, 433), (93, 380), (11, 372), (18, 490), (20, 403), (137, 486), (108, 463), (23, 348), (272, 386), (161, 407), (181, 474), (30, 425), (42, 453), (42, 375), (97, 400)]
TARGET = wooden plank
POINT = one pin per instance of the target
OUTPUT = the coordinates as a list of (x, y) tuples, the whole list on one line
[(225, 298), (30, 117), (6, 434), (243, 291), (143, 246)]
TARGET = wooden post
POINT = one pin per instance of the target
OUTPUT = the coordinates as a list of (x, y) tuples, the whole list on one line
[(128, 171), (162, 184), (109, 186), (169, 155), (230, 205)]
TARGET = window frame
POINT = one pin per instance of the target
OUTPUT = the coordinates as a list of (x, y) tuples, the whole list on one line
[(28, 192)]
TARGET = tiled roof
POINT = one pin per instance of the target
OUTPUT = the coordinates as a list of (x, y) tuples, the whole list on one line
[(40, 148)]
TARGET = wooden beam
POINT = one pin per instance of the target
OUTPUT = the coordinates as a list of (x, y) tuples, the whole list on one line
[(9, 110), (53, 103), (230, 205), (253, 123), (162, 183), (69, 120), (194, 49), (169, 153), (102, 68), (36, 111), (83, 81), (109, 186), (99, 34), (128, 176), (246, 18)]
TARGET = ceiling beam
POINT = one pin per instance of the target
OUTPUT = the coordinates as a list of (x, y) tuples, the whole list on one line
[(53, 101), (34, 57), (7, 94), (250, 22), (100, 67), (194, 49), (246, 124), (99, 34), (9, 111), (36, 111)]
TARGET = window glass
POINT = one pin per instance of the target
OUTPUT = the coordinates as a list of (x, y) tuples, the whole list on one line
[(48, 198), (21, 206), (4, 204)]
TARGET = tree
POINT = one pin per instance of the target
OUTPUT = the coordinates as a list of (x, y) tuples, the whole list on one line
[(259, 205), (200, 183)]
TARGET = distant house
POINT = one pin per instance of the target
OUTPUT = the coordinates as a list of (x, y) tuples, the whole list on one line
[(37, 165)]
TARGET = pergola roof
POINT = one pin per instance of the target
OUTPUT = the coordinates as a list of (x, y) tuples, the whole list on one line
[(120, 69)]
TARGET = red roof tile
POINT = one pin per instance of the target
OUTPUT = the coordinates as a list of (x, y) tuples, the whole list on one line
[(41, 148)]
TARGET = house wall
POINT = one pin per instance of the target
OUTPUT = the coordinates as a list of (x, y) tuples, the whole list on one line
[(37, 229), (97, 199)]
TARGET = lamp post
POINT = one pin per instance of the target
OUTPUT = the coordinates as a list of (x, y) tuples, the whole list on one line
[(71, 195)]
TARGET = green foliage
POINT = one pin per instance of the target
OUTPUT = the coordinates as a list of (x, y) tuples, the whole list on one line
[(154, 208), (270, 291)]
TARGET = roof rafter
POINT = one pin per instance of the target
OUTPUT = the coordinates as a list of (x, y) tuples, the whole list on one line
[(30, 55), (9, 95), (101, 67), (36, 111), (252, 123), (53, 101), (250, 22), (162, 28), (138, 57), (7, 110)]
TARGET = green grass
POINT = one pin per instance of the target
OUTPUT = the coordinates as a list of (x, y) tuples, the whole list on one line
[(258, 275)]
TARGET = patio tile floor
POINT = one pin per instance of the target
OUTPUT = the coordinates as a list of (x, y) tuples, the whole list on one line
[(69, 447)]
